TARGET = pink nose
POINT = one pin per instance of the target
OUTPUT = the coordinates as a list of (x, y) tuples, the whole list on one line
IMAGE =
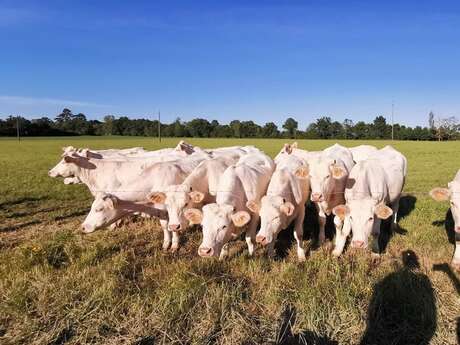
[(357, 244), (205, 252), (261, 239), (457, 229), (315, 197), (174, 227)]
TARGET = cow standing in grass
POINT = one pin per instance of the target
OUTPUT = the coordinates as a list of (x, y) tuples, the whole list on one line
[(284, 203), (198, 189), (452, 194), (241, 185), (372, 193)]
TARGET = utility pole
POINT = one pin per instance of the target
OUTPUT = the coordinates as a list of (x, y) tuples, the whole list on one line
[(392, 121), (17, 128), (159, 126)]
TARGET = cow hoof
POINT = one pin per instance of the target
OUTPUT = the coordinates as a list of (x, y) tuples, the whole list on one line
[(174, 249), (165, 247), (301, 258)]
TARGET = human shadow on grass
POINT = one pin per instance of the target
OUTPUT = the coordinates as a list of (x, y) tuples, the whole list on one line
[(72, 214), (444, 267), (406, 206), (402, 310), (285, 336)]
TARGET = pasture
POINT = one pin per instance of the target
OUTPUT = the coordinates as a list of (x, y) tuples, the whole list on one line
[(58, 286)]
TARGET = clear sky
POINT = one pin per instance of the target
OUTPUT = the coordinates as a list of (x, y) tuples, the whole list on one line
[(258, 60)]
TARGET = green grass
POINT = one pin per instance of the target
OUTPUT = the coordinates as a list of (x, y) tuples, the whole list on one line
[(117, 287)]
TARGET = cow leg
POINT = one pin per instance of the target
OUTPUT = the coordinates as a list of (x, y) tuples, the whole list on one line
[(456, 259), (271, 249), (166, 234), (298, 234), (175, 241), (224, 252), (374, 245), (251, 233), (343, 230), (394, 220), (322, 224)]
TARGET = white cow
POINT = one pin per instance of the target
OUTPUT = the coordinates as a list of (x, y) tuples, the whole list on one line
[(284, 203), (372, 185), (452, 193), (362, 152), (126, 187), (199, 188), (241, 185)]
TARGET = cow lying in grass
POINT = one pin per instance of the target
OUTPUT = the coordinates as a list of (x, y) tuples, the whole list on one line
[(452, 194)]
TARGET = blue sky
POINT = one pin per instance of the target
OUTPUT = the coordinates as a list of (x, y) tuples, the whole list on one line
[(258, 60)]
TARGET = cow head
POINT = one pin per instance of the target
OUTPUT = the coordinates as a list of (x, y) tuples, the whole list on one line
[(361, 215), (178, 199), (274, 214), (70, 164), (323, 172), (104, 211), (219, 223), (451, 194)]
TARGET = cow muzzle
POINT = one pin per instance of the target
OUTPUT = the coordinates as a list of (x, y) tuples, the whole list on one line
[(262, 240), (357, 244), (174, 227), (87, 228), (317, 197), (205, 252)]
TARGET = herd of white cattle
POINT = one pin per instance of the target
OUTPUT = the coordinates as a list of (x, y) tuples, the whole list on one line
[(232, 190)]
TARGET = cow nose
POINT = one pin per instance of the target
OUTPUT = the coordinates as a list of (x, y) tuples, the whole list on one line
[(316, 197), (357, 244), (457, 229), (204, 251), (174, 227), (261, 239), (86, 228)]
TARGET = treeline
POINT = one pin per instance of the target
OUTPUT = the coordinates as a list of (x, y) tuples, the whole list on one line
[(67, 123)]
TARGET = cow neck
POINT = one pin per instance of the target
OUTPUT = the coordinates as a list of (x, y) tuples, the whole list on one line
[(132, 207)]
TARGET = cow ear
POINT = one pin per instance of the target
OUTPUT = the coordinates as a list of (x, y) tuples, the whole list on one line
[(241, 218), (440, 194), (294, 145), (287, 208), (383, 211), (70, 159), (112, 200), (287, 148), (253, 206), (341, 211), (196, 196), (337, 171), (302, 172), (193, 215), (157, 197)]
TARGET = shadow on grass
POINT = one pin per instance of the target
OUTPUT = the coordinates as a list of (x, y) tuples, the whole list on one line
[(285, 335), (406, 206), (449, 225), (444, 267), (16, 227), (20, 201), (72, 214), (63, 337), (402, 308)]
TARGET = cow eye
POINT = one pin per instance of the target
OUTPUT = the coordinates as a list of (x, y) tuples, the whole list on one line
[(371, 218), (224, 227)]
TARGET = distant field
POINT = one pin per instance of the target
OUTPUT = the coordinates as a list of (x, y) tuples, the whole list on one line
[(117, 287)]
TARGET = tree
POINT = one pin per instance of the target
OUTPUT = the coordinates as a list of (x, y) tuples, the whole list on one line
[(199, 128), (270, 130), (290, 125), (348, 128), (235, 125), (380, 128)]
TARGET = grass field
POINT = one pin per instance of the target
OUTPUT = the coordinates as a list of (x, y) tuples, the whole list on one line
[(117, 287)]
